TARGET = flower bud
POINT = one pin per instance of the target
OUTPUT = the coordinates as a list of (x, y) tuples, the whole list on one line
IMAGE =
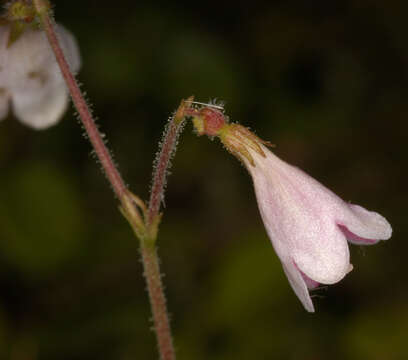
[(209, 121)]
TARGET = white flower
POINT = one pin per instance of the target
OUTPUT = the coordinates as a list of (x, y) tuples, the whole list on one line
[(30, 79)]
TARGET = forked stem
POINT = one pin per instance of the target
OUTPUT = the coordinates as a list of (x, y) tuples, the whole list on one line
[(129, 205)]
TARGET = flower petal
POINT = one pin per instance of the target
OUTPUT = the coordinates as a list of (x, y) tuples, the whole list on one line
[(364, 227), (298, 284), (70, 47), (323, 257), (353, 238), (41, 109), (311, 284)]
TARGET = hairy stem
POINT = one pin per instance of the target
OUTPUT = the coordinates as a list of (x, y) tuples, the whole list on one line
[(88, 122), (148, 248), (163, 161), (129, 201), (157, 301)]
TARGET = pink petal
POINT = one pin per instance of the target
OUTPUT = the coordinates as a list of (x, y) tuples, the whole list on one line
[(298, 284), (311, 284), (363, 226), (322, 256), (353, 238)]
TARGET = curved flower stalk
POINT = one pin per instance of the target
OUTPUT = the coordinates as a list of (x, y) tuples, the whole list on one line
[(30, 79), (308, 224)]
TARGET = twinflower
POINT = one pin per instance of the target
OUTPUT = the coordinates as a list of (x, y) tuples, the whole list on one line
[(30, 79), (307, 224)]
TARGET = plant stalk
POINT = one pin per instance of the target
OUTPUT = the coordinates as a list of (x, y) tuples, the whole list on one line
[(149, 254)]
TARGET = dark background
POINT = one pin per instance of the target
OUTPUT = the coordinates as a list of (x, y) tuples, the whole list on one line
[(324, 80)]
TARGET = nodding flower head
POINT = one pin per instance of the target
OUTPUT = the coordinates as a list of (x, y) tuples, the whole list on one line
[(307, 224), (209, 121), (30, 79)]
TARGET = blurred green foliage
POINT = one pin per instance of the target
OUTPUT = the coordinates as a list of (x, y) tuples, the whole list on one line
[(325, 81)]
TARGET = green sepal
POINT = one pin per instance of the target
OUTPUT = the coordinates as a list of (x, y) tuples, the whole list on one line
[(21, 11), (198, 124), (16, 30)]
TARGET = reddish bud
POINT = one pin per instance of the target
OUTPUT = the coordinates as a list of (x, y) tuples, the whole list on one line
[(213, 121)]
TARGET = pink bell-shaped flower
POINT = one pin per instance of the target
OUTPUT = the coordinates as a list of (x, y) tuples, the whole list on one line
[(308, 224)]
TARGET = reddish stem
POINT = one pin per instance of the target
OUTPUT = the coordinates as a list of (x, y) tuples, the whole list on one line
[(95, 138), (160, 171), (163, 160), (149, 254), (158, 302)]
